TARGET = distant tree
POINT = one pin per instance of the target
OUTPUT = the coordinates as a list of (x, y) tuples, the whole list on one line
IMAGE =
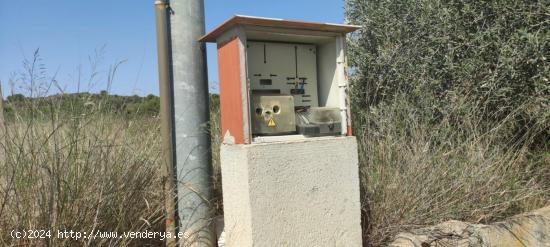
[(16, 98), (151, 105)]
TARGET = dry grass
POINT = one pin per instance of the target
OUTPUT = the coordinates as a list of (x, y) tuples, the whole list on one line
[(71, 166), (81, 172), (416, 173)]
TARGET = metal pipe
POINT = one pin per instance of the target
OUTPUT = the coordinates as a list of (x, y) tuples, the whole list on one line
[(166, 113), (191, 119), (3, 130)]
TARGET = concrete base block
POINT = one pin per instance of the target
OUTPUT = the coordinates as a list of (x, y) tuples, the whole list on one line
[(292, 193)]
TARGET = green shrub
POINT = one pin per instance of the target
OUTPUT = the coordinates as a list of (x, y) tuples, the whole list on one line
[(451, 107), (494, 54)]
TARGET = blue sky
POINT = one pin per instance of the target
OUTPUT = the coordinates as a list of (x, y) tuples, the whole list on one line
[(69, 32)]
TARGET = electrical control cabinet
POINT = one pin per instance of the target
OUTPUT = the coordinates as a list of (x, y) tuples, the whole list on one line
[(284, 68), (281, 78)]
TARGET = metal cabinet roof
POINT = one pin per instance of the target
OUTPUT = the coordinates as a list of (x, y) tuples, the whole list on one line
[(293, 27)]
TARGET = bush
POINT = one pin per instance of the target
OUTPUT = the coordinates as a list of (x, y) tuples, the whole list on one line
[(494, 53), (450, 102)]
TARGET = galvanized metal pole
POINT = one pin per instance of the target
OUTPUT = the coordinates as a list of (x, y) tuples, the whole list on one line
[(166, 116), (191, 117)]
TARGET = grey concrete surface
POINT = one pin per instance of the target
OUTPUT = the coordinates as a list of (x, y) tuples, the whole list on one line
[(292, 193)]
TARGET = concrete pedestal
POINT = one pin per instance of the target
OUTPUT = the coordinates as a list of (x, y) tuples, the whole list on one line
[(292, 193)]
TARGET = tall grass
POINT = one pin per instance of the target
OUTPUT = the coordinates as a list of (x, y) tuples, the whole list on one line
[(417, 172), (69, 166), (82, 172), (72, 163)]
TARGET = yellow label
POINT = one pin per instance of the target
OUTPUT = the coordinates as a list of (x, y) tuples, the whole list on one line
[(271, 123)]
